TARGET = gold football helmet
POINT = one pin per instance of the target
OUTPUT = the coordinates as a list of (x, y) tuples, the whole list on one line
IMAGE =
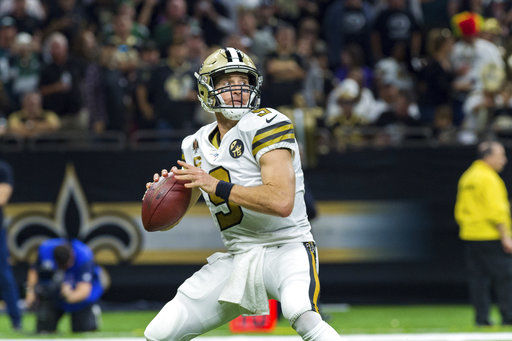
[(224, 61)]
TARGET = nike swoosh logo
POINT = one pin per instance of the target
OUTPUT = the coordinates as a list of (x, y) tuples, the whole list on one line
[(270, 120)]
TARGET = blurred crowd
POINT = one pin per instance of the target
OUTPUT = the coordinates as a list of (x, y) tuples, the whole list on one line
[(345, 71)]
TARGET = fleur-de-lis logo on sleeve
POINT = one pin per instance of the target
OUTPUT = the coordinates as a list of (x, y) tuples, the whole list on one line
[(71, 218)]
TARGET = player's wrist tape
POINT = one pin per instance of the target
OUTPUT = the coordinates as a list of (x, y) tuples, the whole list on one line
[(223, 189)]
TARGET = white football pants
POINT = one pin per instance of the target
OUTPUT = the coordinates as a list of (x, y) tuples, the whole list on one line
[(290, 276)]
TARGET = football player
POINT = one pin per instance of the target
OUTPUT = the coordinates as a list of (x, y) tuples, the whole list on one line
[(246, 165)]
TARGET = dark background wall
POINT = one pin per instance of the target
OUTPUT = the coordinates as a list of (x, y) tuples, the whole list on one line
[(427, 176)]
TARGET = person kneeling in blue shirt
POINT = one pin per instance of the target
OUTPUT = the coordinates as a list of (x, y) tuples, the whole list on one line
[(65, 279)]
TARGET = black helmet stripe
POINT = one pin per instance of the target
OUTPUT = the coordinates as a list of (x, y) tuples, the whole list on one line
[(228, 55), (240, 57)]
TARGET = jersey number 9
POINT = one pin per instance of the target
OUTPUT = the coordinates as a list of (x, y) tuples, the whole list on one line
[(235, 214)]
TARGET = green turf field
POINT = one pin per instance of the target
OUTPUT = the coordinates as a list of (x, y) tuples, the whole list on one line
[(355, 320)]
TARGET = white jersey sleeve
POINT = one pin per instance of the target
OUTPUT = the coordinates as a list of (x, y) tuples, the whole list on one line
[(267, 129)]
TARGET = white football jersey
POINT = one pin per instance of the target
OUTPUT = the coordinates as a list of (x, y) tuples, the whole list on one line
[(236, 159)]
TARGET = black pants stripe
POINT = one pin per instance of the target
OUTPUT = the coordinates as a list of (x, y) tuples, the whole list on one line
[(314, 286)]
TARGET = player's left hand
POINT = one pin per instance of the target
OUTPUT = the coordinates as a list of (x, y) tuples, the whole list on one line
[(196, 177)]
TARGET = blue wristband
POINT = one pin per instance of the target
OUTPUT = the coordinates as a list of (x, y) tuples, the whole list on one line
[(223, 189)]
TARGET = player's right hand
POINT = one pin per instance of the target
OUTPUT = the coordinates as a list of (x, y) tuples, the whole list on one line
[(156, 178)]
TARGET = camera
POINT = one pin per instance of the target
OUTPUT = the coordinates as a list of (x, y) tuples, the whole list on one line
[(49, 284)]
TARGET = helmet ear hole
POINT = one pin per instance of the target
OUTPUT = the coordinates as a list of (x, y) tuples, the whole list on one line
[(252, 79)]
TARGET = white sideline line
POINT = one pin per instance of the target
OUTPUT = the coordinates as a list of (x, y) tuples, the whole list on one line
[(432, 337), (384, 337), (361, 337)]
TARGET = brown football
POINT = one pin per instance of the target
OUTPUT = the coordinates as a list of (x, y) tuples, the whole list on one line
[(165, 203)]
